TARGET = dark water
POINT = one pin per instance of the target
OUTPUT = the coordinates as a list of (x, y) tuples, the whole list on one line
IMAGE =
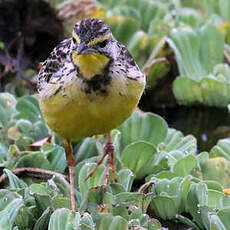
[(207, 124)]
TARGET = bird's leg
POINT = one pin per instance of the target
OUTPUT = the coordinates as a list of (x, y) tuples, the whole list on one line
[(95, 168), (108, 150), (70, 163)]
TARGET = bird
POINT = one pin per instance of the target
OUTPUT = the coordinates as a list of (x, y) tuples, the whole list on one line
[(89, 85)]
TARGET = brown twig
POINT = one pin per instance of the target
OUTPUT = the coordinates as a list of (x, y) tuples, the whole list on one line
[(34, 172), (144, 187), (14, 64), (155, 61)]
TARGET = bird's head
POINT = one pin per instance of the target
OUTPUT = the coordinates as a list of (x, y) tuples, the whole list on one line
[(92, 40)]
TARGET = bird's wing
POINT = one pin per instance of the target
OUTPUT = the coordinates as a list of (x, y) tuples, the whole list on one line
[(57, 65), (132, 70)]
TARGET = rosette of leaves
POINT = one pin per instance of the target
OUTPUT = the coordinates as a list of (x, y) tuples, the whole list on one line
[(173, 182), (203, 78), (205, 201), (217, 167)]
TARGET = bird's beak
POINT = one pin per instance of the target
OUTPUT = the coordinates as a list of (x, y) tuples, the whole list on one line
[(81, 48)]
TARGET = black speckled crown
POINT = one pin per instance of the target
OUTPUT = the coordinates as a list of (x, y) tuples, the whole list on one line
[(91, 28)]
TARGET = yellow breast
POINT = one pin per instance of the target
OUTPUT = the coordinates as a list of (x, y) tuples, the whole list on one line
[(78, 114)]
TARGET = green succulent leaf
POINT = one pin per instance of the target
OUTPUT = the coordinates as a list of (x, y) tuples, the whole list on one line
[(43, 220), (220, 221), (25, 218), (199, 57), (34, 160), (5, 220), (211, 50), (112, 223), (217, 169), (197, 198), (185, 42), (187, 91), (136, 42), (143, 127), (28, 108), (87, 148), (95, 180), (208, 91), (187, 221), (166, 212), (185, 166), (167, 200), (139, 158), (123, 27), (10, 203), (3, 152), (176, 141), (7, 108), (86, 222), (125, 177), (190, 16), (56, 157), (222, 149), (14, 181), (216, 223), (64, 219), (137, 199), (127, 11)]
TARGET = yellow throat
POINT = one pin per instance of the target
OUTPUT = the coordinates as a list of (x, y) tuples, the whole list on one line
[(90, 64)]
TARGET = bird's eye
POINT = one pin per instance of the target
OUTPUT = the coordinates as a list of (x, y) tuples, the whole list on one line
[(74, 40), (103, 44)]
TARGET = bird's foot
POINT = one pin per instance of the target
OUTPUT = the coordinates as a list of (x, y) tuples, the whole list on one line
[(108, 150)]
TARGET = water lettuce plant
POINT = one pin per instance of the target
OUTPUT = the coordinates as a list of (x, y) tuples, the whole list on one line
[(160, 176), (203, 77)]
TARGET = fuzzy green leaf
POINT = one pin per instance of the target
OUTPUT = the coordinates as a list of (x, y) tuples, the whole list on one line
[(43, 220), (139, 158), (185, 166), (15, 182), (222, 149), (87, 148), (218, 169), (145, 127), (28, 109), (5, 220), (211, 50), (113, 223), (35, 160), (95, 180), (56, 156), (125, 177), (64, 219), (7, 108)]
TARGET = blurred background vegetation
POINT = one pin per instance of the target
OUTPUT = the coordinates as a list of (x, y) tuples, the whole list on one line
[(184, 49)]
